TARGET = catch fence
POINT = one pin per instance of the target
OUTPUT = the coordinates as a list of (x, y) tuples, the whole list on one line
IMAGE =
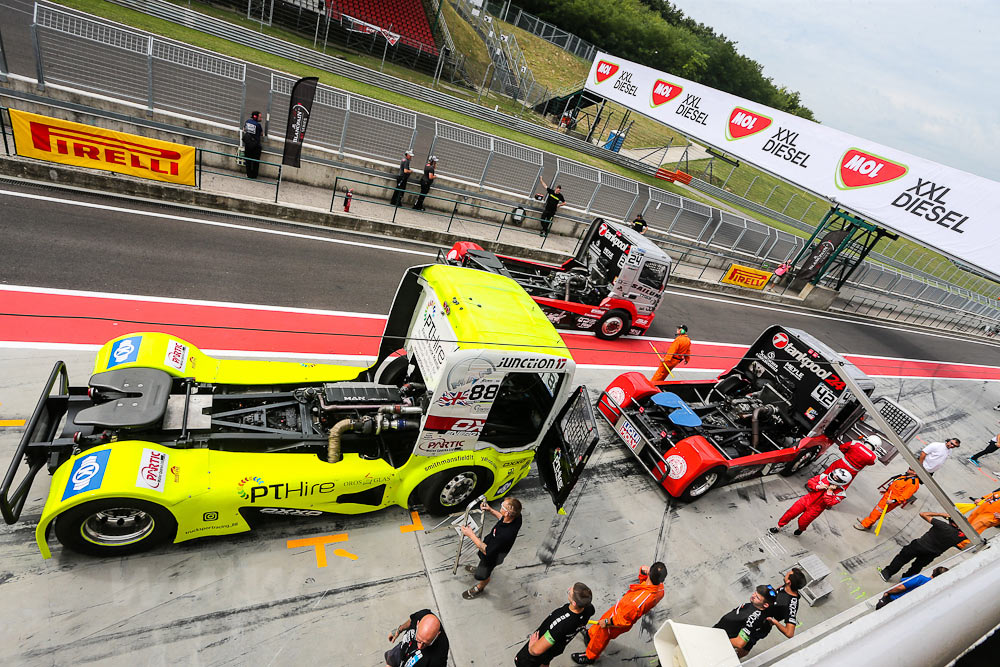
[(605, 194), (112, 59), (485, 160)]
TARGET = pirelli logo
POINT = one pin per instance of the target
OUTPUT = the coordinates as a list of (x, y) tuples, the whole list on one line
[(746, 276), (65, 142)]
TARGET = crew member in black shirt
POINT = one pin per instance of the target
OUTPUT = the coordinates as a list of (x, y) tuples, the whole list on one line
[(942, 536), (553, 200), (558, 629), (785, 609), (750, 618), (639, 224), (426, 181), (497, 544), (401, 178), (253, 133), (423, 642)]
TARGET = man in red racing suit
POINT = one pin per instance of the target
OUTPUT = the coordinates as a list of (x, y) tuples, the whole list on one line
[(857, 454), (825, 491)]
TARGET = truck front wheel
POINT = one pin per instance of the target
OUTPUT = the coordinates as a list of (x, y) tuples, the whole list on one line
[(704, 483), (115, 527), (451, 490), (613, 324), (804, 458)]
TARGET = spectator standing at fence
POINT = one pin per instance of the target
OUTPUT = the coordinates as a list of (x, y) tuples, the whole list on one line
[(558, 629), (553, 201), (253, 137), (933, 456), (401, 178), (639, 224), (779, 275), (426, 181)]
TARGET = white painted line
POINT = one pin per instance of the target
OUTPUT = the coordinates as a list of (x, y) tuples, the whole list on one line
[(211, 223)]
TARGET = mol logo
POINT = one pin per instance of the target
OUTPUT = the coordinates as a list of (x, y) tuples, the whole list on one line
[(743, 123), (605, 71), (780, 340), (663, 92), (859, 169)]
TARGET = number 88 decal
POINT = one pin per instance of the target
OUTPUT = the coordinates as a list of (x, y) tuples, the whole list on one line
[(484, 392)]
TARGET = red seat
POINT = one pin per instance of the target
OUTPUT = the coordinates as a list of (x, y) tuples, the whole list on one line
[(405, 17)]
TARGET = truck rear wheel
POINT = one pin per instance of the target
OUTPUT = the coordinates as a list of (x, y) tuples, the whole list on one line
[(702, 484), (804, 458), (613, 324), (451, 490), (115, 527)]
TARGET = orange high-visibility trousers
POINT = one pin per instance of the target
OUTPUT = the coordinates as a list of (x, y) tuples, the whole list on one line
[(873, 518), (599, 637)]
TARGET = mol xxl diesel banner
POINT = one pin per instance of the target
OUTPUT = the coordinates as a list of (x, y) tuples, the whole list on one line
[(943, 207), (81, 145)]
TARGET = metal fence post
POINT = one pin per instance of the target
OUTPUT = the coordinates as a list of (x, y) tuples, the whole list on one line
[(199, 152), (343, 132), (769, 195), (3, 61), (749, 186), (3, 130), (39, 68), (277, 184), (333, 199), (149, 73), (794, 195), (806, 212), (592, 198), (489, 158)]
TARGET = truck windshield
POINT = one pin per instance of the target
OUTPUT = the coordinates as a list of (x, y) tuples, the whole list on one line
[(653, 274), (523, 402)]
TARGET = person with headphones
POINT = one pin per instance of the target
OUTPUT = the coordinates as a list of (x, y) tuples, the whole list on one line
[(679, 352)]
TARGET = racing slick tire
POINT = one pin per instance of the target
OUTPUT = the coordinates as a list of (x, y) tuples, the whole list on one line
[(801, 460), (115, 527), (702, 484), (613, 324), (451, 490), (392, 370)]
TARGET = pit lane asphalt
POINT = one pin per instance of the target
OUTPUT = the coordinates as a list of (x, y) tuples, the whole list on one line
[(59, 245)]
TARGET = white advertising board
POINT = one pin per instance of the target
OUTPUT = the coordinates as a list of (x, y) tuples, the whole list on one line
[(945, 208)]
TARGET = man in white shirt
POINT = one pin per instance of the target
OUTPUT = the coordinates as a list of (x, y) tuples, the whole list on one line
[(933, 456)]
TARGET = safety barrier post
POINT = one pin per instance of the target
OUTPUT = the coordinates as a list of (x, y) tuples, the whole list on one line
[(198, 152), (333, 199), (39, 67), (277, 185), (807, 210), (149, 75), (794, 195), (454, 210), (3, 61), (3, 129)]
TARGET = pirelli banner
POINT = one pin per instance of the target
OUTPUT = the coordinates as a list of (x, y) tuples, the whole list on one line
[(745, 276), (63, 141), (943, 207)]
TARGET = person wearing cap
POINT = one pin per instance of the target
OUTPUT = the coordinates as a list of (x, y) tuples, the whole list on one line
[(749, 619), (857, 454), (679, 352), (253, 135), (553, 202), (897, 492), (933, 456), (401, 178), (639, 599), (825, 491), (425, 182)]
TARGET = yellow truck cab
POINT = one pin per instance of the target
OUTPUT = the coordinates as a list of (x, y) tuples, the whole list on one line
[(470, 385)]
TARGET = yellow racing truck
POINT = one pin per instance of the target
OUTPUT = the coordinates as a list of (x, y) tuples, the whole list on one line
[(471, 384)]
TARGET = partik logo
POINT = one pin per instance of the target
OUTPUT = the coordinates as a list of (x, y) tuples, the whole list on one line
[(859, 169), (743, 123), (152, 470), (605, 71), (663, 92)]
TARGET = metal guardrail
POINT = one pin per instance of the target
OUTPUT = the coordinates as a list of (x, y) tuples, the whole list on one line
[(238, 163)]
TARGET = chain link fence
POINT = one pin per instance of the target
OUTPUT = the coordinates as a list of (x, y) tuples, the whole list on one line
[(345, 122), (485, 160), (112, 59), (536, 26)]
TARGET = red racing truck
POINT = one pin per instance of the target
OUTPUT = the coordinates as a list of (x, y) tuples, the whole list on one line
[(611, 287), (776, 411)]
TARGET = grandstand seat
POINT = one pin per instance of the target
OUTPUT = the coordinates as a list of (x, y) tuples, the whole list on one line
[(405, 17)]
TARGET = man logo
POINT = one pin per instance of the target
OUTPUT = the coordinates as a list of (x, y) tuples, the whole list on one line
[(780, 340), (663, 92), (859, 169), (743, 123), (605, 71)]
